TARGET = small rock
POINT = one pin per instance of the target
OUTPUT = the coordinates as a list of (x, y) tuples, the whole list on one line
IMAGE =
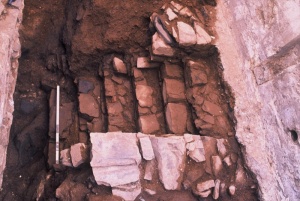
[(159, 47), (216, 192), (192, 176), (88, 105), (78, 154), (117, 79), (137, 73), (109, 87), (206, 185), (149, 124), (186, 34), (198, 154), (188, 137), (114, 108), (231, 190), (149, 170), (171, 15), (84, 86), (161, 29), (176, 115), (204, 194), (185, 12), (216, 165), (228, 161), (119, 65), (144, 62), (147, 149), (65, 157), (211, 108), (221, 147), (144, 95), (173, 90), (149, 191), (177, 6)]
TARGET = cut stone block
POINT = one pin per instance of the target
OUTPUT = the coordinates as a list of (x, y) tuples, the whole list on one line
[(144, 95), (78, 154), (159, 47), (170, 155), (119, 65), (149, 124), (198, 154), (176, 115), (172, 71), (149, 170), (88, 105), (147, 149), (173, 90)]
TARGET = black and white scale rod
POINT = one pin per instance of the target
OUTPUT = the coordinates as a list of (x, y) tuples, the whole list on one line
[(57, 126)]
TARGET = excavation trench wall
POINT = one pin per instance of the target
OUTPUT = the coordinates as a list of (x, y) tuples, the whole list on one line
[(259, 48)]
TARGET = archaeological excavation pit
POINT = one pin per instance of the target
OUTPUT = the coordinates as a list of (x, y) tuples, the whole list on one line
[(150, 103)]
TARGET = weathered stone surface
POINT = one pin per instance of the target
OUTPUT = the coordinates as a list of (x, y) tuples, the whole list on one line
[(197, 77), (161, 29), (144, 95), (84, 86), (149, 124), (114, 108), (206, 185), (119, 65), (173, 90), (176, 115), (147, 149), (144, 62), (221, 147), (202, 36), (128, 192), (216, 165), (65, 157), (261, 108), (170, 155), (212, 108), (186, 34), (70, 190), (204, 194), (159, 47), (88, 105), (78, 154), (216, 192)]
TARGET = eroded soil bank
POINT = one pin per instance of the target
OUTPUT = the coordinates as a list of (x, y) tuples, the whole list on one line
[(73, 44)]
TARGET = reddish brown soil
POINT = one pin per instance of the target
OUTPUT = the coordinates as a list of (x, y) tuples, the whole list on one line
[(84, 31)]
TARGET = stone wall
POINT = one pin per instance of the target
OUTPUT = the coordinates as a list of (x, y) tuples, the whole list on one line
[(10, 49), (259, 48)]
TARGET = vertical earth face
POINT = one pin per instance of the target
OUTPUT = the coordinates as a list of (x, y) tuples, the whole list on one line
[(150, 67)]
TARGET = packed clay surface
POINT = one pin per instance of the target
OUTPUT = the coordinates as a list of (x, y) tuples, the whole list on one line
[(123, 66)]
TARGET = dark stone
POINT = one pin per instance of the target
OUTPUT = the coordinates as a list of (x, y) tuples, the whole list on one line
[(84, 86)]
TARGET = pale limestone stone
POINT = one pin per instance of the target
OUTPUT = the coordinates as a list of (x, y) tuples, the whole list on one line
[(119, 65), (170, 155), (217, 165), (186, 34), (203, 37), (159, 47), (221, 147), (227, 160), (216, 192), (171, 15), (78, 154), (144, 95), (186, 12), (231, 190), (144, 62), (206, 185), (65, 157), (177, 6), (204, 194), (149, 124), (176, 115), (128, 192), (188, 137), (149, 170), (147, 149), (198, 154)]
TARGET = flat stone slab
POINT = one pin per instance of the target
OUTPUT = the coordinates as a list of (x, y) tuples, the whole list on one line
[(170, 154)]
